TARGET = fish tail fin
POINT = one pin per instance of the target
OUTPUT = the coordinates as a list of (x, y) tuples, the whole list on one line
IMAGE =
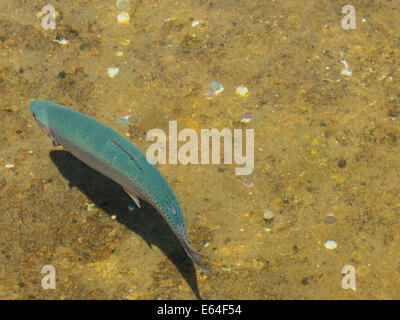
[(195, 256)]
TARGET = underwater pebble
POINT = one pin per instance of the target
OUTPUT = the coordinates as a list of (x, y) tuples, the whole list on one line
[(217, 87), (226, 268), (90, 206), (242, 91), (123, 18), (123, 121), (246, 117), (62, 41), (346, 71), (248, 184), (196, 22), (9, 165), (112, 72), (330, 244), (267, 229), (123, 4), (209, 94), (113, 217), (330, 218), (268, 215), (207, 244)]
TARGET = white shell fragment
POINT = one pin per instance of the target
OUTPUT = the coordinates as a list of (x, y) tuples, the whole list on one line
[(123, 4), (196, 22), (242, 91), (112, 72), (330, 245), (217, 87), (246, 117), (268, 215), (346, 71), (123, 18), (62, 41)]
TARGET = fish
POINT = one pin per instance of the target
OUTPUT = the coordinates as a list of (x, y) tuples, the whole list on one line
[(111, 154)]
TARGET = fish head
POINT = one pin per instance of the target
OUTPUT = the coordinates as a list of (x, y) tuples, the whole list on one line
[(38, 109)]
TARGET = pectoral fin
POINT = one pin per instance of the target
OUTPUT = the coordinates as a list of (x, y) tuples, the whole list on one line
[(133, 196)]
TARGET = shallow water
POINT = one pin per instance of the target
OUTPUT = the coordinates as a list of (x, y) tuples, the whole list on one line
[(326, 141)]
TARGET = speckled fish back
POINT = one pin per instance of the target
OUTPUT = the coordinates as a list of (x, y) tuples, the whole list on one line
[(103, 142)]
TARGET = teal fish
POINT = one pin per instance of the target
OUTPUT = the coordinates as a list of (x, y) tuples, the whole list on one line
[(108, 152)]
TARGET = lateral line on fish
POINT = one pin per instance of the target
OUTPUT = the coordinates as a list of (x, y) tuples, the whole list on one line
[(115, 143)]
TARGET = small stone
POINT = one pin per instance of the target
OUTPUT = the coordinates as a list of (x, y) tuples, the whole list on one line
[(346, 72), (342, 163), (123, 18), (90, 206), (9, 165), (330, 245), (61, 75), (196, 22), (330, 218), (248, 184), (112, 72), (62, 41), (268, 215), (113, 217), (226, 268), (217, 87), (242, 91), (209, 94), (123, 121), (246, 117), (207, 244), (123, 4)]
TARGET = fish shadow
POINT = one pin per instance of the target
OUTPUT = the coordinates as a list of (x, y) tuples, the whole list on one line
[(112, 199)]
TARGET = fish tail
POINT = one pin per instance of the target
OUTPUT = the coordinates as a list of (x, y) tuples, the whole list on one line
[(195, 256)]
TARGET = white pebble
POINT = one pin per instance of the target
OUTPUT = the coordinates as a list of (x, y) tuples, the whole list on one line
[(242, 91), (62, 41), (112, 72), (346, 72), (268, 215), (330, 244), (9, 165), (123, 18), (196, 22)]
